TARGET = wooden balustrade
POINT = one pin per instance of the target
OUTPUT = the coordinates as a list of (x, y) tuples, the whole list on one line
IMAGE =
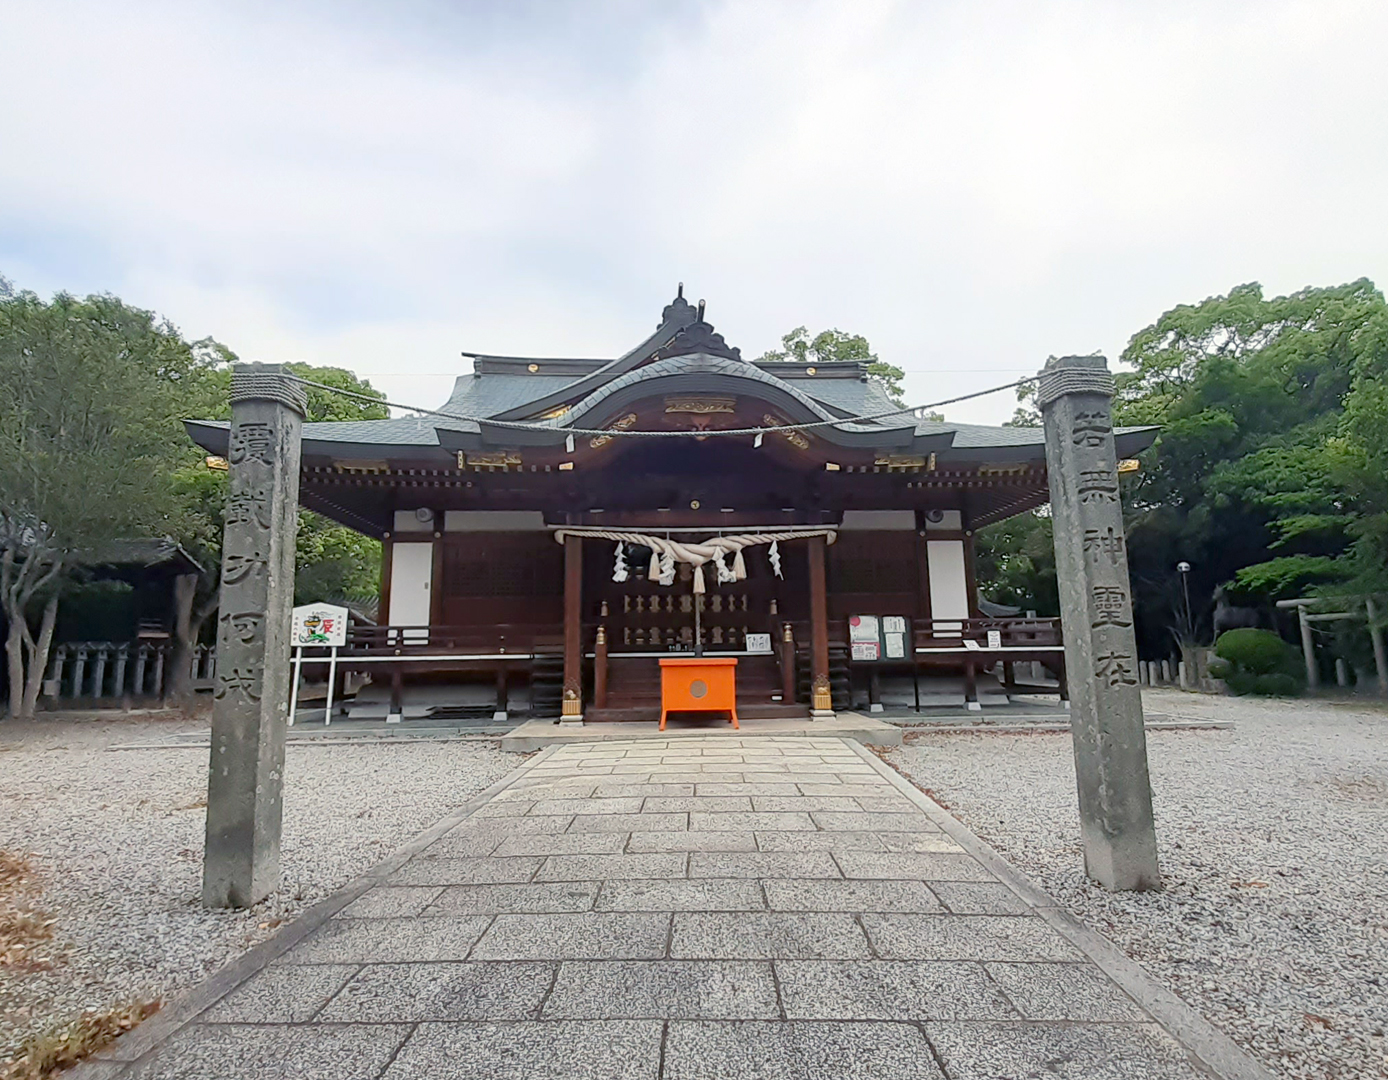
[(1014, 632), (488, 640)]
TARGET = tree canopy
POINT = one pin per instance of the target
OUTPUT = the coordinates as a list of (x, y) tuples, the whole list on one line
[(1270, 474), (92, 449), (830, 345)]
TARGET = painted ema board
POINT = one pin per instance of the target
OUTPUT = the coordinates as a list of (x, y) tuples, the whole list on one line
[(320, 625)]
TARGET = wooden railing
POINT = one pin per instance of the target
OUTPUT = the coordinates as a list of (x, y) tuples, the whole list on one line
[(1012, 632), (423, 641)]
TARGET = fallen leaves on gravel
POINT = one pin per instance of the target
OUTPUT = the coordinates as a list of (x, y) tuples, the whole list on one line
[(22, 924), (64, 1046)]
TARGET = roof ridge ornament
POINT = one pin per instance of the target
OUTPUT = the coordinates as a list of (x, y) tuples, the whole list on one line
[(678, 311), (698, 337)]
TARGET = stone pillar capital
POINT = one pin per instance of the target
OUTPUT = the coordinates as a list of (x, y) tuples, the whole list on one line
[(1064, 375), (268, 382)]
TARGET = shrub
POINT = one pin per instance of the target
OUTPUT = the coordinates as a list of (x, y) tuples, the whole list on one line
[(1257, 662), (1258, 652)]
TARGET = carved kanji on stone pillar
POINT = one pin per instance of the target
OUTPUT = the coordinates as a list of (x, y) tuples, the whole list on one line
[(251, 692), (1115, 794)]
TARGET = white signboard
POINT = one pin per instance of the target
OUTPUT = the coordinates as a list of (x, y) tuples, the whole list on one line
[(862, 628), (863, 650), (319, 624), (758, 643), (995, 639)]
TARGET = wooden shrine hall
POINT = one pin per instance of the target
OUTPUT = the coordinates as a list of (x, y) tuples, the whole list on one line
[(538, 553)]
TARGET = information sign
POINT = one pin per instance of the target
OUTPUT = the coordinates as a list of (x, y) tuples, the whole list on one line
[(758, 644), (319, 624)]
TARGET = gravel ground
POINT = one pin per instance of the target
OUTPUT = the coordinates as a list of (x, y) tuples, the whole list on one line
[(1274, 848), (118, 843)]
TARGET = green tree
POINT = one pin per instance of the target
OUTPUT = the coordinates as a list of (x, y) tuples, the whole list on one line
[(1262, 475), (830, 345), (88, 437), (1015, 563), (331, 561), (1270, 474)]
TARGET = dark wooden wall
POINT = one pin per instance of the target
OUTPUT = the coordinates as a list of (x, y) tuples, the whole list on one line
[(502, 578), (875, 573), (519, 578)]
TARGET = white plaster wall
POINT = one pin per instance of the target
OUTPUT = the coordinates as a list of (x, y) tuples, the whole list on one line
[(493, 521), (949, 589), (879, 520), (953, 520), (405, 521), (411, 578)]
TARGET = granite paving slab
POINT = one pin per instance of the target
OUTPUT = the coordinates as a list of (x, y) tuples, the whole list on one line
[(685, 909)]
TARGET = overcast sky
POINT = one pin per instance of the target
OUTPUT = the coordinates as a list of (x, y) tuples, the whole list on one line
[(971, 185)]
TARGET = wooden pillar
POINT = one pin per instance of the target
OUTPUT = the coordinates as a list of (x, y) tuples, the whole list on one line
[(383, 605), (503, 692), (572, 710), (970, 574), (821, 701), (600, 669), (787, 664), (436, 587)]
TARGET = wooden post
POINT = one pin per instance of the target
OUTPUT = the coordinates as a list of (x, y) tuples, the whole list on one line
[(383, 606), (572, 709), (971, 686), (1376, 634), (502, 692), (600, 669), (1308, 649), (436, 587), (821, 701), (787, 664)]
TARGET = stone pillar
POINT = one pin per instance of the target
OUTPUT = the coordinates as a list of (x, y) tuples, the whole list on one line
[(571, 711), (241, 861), (821, 697), (1110, 743)]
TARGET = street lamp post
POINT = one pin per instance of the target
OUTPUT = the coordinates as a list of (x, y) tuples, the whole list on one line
[(1183, 568)]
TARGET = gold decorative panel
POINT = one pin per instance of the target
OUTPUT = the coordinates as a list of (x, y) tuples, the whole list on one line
[(700, 406)]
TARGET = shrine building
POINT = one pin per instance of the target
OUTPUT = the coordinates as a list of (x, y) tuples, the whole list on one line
[(540, 555)]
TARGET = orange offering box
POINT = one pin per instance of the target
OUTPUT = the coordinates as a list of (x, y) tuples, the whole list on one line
[(698, 684)]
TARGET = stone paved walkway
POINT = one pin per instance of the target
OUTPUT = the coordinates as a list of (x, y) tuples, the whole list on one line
[(684, 910)]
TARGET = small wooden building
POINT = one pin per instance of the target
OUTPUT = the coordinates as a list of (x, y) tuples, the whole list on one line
[(559, 554)]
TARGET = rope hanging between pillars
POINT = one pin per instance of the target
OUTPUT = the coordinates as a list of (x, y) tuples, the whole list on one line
[(666, 552)]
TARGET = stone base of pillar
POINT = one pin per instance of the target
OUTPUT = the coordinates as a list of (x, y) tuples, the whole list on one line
[(500, 717), (973, 706), (571, 721), (822, 714)]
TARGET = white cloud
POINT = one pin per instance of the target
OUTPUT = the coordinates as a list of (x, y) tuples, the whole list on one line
[(972, 185)]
